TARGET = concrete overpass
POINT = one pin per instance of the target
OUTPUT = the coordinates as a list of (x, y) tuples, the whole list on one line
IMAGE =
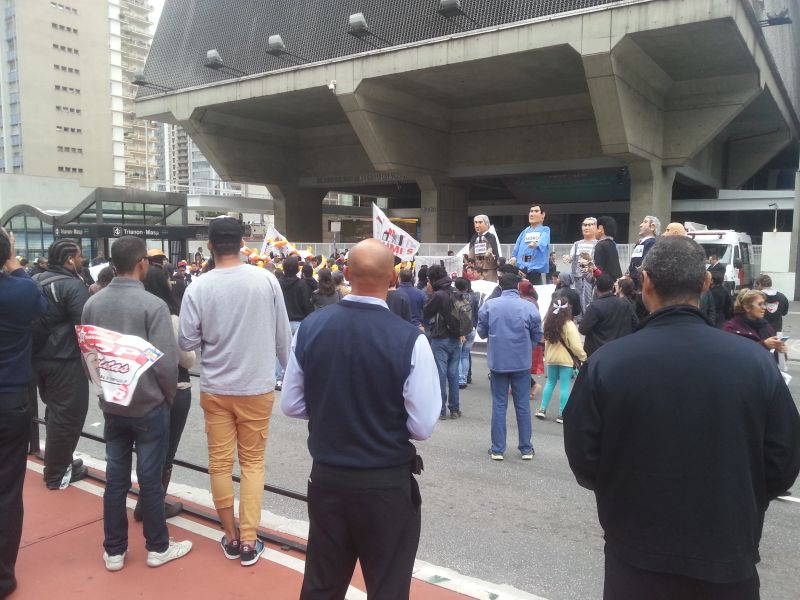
[(657, 90)]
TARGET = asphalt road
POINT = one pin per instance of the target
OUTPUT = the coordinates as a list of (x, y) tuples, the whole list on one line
[(526, 524)]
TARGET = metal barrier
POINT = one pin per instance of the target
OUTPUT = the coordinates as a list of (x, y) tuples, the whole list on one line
[(284, 543)]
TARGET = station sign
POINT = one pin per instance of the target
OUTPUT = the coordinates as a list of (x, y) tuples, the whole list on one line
[(115, 231)]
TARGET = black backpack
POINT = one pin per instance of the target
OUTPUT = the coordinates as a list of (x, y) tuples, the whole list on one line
[(459, 317), (42, 327)]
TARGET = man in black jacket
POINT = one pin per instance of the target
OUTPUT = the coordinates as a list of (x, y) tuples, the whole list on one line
[(606, 257), (297, 297), (607, 318), (684, 433), (58, 370)]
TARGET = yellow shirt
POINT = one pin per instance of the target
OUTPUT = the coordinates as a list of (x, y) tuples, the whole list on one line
[(556, 353)]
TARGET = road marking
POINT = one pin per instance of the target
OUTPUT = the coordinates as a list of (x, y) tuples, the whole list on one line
[(96, 424), (424, 571), (789, 499)]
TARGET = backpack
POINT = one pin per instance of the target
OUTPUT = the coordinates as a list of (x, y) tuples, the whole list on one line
[(458, 319), (42, 327)]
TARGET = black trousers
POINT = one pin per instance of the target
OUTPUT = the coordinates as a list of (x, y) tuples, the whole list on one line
[(625, 582), (65, 392), (14, 432), (535, 277), (371, 515)]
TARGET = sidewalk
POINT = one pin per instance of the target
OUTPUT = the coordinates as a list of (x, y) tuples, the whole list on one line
[(61, 556)]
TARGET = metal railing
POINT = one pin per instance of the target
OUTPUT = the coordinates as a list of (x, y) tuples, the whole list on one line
[(283, 542)]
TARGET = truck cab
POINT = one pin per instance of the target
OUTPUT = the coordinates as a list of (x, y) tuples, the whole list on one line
[(732, 248)]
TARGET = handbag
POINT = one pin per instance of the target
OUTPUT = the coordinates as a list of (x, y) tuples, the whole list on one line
[(576, 363)]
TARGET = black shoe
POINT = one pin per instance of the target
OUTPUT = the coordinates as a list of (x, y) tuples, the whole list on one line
[(462, 386), (77, 464), (443, 416), (230, 549), (455, 414), (250, 554), (77, 475), (469, 378), (279, 385)]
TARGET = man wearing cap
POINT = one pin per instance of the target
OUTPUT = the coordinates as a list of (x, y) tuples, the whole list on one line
[(229, 311)]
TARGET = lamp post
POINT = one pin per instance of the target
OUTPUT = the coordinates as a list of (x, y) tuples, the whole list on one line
[(775, 227)]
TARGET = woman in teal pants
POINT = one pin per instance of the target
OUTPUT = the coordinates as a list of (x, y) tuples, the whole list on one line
[(561, 338)]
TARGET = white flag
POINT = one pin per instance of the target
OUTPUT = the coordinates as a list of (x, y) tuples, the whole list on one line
[(397, 240)]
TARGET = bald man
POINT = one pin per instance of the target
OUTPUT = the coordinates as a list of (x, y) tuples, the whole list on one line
[(363, 407), (675, 229)]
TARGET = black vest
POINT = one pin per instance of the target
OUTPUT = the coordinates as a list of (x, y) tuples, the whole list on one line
[(356, 358)]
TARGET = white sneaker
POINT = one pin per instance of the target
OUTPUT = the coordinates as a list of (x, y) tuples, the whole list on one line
[(114, 563), (173, 551), (540, 414)]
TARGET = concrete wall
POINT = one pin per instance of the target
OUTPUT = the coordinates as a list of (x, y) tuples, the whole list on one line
[(784, 43)]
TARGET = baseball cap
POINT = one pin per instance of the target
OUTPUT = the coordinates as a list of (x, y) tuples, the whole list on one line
[(224, 229)]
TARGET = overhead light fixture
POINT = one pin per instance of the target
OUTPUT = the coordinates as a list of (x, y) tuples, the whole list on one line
[(781, 18), (450, 9), (358, 28), (214, 61), (276, 47), (138, 79)]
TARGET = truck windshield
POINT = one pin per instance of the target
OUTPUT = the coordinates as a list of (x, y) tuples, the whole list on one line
[(722, 251)]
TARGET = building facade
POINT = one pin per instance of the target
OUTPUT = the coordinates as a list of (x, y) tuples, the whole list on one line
[(66, 101)]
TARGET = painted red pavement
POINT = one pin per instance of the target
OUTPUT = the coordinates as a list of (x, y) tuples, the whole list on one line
[(62, 546)]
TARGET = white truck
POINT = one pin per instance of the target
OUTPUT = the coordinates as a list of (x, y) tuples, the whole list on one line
[(732, 248)]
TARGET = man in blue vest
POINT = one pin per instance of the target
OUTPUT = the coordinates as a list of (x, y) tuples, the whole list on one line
[(363, 501)]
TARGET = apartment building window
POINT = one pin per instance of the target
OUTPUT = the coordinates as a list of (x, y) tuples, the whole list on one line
[(68, 109), (64, 129), (64, 7), (66, 49), (66, 88), (61, 27), (70, 149), (70, 170), (66, 69)]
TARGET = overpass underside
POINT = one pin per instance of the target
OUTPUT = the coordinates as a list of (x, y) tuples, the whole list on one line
[(644, 93)]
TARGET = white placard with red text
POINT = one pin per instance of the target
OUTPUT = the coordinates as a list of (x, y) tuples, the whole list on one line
[(114, 361)]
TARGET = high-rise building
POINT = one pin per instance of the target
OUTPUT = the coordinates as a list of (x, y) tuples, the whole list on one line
[(66, 101)]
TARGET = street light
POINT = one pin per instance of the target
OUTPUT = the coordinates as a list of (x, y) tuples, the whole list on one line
[(358, 28), (276, 47), (138, 79), (775, 205), (214, 61), (452, 8)]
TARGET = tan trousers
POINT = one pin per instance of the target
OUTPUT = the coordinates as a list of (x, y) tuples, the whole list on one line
[(238, 423)]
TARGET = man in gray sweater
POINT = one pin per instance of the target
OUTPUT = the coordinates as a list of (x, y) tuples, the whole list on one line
[(125, 307)]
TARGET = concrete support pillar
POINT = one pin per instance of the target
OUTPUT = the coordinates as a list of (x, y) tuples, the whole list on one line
[(298, 212), (443, 210), (651, 194)]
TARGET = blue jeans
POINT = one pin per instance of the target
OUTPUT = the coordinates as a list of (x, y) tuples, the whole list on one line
[(294, 326), (466, 348), (520, 382), (447, 353), (150, 435), (557, 373)]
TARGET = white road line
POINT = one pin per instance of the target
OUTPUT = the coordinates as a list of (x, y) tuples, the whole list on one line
[(789, 499), (423, 571)]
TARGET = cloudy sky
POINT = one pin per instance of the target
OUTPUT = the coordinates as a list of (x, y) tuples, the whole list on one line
[(158, 5)]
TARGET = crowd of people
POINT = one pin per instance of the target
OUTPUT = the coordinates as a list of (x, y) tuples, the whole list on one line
[(296, 309)]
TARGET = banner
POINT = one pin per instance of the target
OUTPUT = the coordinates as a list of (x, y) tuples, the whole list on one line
[(114, 361), (398, 241), (275, 242)]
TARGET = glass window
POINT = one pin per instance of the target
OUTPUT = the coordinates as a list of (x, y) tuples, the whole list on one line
[(174, 215), (89, 215), (112, 212), (133, 212), (153, 214)]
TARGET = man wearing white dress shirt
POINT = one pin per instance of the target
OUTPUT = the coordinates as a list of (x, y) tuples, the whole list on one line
[(363, 403)]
